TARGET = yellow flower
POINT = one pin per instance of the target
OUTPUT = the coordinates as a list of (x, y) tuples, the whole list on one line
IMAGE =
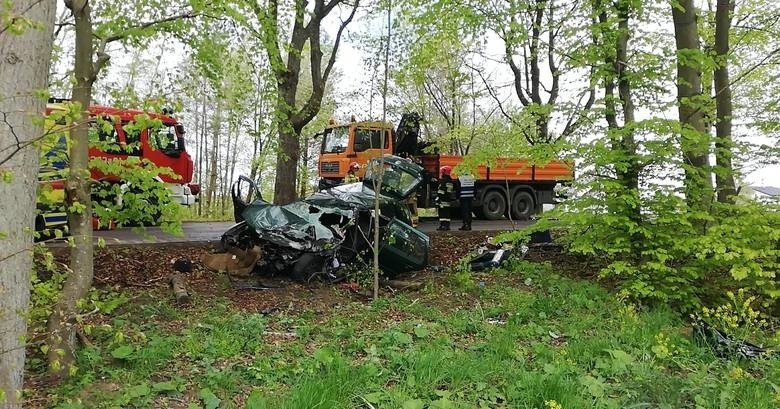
[(737, 373), (552, 404)]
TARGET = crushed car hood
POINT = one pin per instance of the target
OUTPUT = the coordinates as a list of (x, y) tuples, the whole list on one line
[(351, 196), (300, 225)]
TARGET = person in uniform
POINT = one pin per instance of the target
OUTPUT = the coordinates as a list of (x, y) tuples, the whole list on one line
[(466, 196), (445, 195)]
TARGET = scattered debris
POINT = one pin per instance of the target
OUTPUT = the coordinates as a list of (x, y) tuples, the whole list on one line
[(280, 334), (182, 265), (724, 345), (179, 287), (493, 258), (236, 261), (495, 321), (403, 284)]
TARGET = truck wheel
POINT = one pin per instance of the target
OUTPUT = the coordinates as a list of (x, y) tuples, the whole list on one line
[(493, 205), (522, 205)]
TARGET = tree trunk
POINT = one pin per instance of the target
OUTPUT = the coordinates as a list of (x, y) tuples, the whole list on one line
[(694, 139), (216, 126), (202, 149), (303, 181), (62, 333), (287, 164), (233, 160), (629, 177), (24, 69), (724, 172), (226, 171)]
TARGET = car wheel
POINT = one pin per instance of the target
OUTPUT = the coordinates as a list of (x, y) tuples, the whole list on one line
[(306, 267), (493, 205), (522, 205)]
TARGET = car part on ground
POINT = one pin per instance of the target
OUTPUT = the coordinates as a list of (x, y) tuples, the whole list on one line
[(724, 345), (487, 259), (316, 237)]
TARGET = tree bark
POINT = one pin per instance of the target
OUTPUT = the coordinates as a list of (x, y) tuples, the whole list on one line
[(62, 334), (724, 171), (216, 127), (24, 68), (224, 186), (694, 139), (287, 165), (201, 147)]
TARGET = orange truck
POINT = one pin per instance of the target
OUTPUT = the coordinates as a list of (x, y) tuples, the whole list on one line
[(511, 188)]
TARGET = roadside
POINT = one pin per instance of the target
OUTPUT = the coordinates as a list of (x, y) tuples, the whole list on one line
[(207, 232), (520, 336)]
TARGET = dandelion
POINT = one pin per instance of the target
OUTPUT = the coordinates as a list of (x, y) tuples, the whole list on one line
[(552, 404)]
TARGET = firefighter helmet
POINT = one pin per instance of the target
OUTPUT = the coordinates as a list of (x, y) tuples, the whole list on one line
[(354, 166), (445, 170)]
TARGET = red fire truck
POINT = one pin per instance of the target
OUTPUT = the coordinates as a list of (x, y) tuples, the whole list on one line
[(116, 134)]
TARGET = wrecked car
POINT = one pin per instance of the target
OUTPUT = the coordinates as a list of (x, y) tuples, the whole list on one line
[(333, 228)]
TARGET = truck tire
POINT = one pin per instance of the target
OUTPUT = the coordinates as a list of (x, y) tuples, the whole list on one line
[(522, 205), (493, 205)]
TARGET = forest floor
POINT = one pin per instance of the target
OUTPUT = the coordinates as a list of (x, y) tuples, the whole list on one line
[(536, 333)]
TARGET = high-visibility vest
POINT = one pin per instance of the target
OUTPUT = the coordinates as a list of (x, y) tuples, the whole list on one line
[(466, 186)]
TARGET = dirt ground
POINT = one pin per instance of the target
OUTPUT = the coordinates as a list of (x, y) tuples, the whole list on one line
[(151, 266)]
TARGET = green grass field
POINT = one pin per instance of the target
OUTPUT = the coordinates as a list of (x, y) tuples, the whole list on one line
[(517, 338)]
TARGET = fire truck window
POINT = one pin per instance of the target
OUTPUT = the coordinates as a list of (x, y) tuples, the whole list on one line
[(103, 136), (165, 140), (335, 140), (133, 138), (368, 139)]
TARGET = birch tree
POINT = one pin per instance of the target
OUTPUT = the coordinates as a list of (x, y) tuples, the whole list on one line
[(26, 28)]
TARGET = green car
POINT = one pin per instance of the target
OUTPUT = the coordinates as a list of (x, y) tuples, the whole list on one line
[(333, 228)]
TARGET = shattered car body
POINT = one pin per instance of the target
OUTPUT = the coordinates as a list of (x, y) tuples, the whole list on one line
[(330, 229)]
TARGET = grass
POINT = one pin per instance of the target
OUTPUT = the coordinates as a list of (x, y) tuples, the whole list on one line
[(517, 338)]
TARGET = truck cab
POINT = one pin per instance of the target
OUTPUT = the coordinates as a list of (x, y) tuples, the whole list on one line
[(353, 142), (115, 134)]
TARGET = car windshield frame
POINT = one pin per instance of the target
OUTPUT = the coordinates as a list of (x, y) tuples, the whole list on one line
[(335, 140), (396, 180)]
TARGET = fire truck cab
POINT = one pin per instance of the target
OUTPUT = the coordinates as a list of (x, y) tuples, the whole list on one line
[(116, 133)]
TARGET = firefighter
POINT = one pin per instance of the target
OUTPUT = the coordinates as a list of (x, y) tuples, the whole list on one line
[(352, 176), (444, 197), (466, 196)]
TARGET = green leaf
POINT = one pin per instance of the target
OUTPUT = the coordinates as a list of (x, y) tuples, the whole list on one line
[(324, 356), (421, 331), (139, 391), (620, 360), (123, 352), (255, 400), (594, 386), (402, 338), (443, 403), (374, 397), (413, 404), (168, 386), (210, 400)]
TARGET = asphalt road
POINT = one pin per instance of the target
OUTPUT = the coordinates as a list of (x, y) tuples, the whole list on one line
[(205, 232)]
